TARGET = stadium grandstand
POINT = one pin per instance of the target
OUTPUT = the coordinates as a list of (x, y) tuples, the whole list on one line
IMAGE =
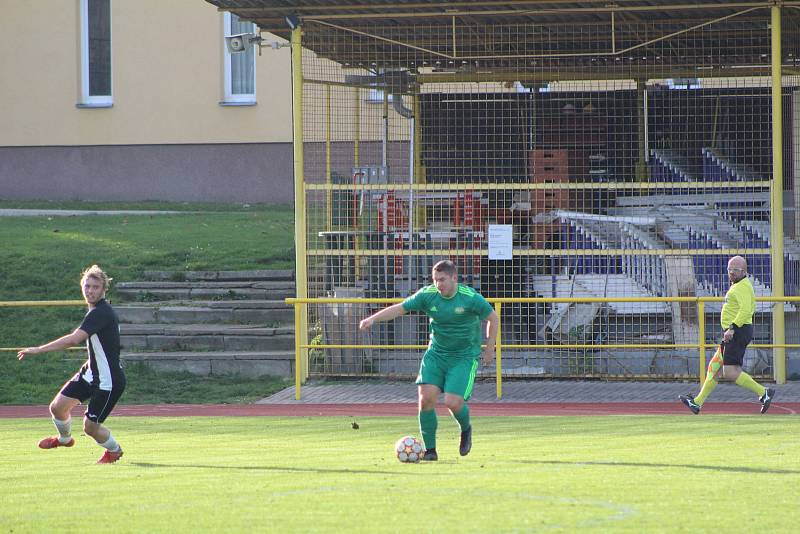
[(563, 154)]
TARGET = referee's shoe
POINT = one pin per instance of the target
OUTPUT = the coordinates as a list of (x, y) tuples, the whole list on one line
[(688, 400), (766, 399)]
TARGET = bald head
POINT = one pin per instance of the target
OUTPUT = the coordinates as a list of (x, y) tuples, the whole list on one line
[(737, 262), (737, 269)]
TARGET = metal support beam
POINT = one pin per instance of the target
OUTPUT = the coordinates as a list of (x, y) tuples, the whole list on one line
[(641, 110), (389, 7), (420, 214), (547, 75), (328, 175), (480, 7), (455, 56), (796, 150), (357, 127), (533, 11)]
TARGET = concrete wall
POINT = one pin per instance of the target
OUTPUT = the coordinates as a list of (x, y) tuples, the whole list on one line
[(253, 172)]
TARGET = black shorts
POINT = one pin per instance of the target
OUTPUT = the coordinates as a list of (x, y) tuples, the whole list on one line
[(101, 401), (733, 350)]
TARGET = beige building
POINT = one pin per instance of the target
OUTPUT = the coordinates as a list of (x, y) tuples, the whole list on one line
[(124, 100)]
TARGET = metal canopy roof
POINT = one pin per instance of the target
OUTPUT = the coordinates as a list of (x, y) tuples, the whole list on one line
[(407, 34), (270, 14)]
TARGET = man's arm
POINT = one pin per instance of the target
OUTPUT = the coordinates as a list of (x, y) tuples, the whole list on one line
[(75, 338), (386, 314), (492, 324)]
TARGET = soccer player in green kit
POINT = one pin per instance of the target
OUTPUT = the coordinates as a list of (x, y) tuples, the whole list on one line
[(451, 361), (737, 326)]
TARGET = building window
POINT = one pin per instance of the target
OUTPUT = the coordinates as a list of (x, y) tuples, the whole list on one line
[(96, 84), (240, 67)]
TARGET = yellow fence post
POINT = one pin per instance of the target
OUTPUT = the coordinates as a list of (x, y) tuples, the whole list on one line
[(776, 205), (300, 218), (498, 306), (298, 351), (701, 338)]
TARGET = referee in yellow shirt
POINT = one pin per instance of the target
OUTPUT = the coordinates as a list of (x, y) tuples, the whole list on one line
[(737, 326)]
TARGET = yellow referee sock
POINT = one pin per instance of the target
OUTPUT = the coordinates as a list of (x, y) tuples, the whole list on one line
[(746, 381), (708, 386), (705, 391)]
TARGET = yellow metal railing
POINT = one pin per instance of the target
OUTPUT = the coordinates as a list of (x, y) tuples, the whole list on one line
[(40, 304), (301, 349)]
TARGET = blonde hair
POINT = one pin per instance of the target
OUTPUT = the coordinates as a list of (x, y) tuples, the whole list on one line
[(97, 273)]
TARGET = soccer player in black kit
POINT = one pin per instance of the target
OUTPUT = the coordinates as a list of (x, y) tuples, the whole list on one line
[(100, 381)]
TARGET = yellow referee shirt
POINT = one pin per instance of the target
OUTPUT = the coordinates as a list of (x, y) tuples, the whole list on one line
[(740, 304)]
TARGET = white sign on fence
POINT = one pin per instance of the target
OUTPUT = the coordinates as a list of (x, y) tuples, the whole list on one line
[(501, 238)]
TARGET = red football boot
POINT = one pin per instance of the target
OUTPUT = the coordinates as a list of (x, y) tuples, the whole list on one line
[(110, 457), (52, 443)]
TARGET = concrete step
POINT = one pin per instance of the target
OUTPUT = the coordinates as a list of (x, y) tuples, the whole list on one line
[(265, 312), (215, 337), (160, 291), (246, 363), (221, 276)]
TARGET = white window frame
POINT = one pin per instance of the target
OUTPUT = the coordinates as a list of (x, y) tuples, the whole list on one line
[(87, 100), (231, 99)]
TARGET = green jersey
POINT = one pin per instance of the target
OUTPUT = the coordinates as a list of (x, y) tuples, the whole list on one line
[(455, 322)]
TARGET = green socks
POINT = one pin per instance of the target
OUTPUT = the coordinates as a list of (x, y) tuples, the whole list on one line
[(427, 426), (463, 417), (428, 422), (746, 381)]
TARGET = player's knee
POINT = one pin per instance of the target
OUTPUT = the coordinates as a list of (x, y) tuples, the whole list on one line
[(454, 404), (90, 427), (427, 402), (58, 411)]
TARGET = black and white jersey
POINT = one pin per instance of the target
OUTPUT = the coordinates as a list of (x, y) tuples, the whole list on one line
[(103, 367)]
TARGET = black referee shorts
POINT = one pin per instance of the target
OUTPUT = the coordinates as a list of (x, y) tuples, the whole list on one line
[(733, 350)]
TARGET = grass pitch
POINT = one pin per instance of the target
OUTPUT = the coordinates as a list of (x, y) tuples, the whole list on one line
[(299, 474)]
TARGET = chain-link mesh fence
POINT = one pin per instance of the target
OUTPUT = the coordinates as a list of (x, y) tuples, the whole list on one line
[(611, 155)]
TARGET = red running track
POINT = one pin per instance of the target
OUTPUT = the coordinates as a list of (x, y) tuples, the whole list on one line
[(410, 409)]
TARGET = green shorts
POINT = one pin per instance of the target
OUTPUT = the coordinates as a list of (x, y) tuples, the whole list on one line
[(452, 375)]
